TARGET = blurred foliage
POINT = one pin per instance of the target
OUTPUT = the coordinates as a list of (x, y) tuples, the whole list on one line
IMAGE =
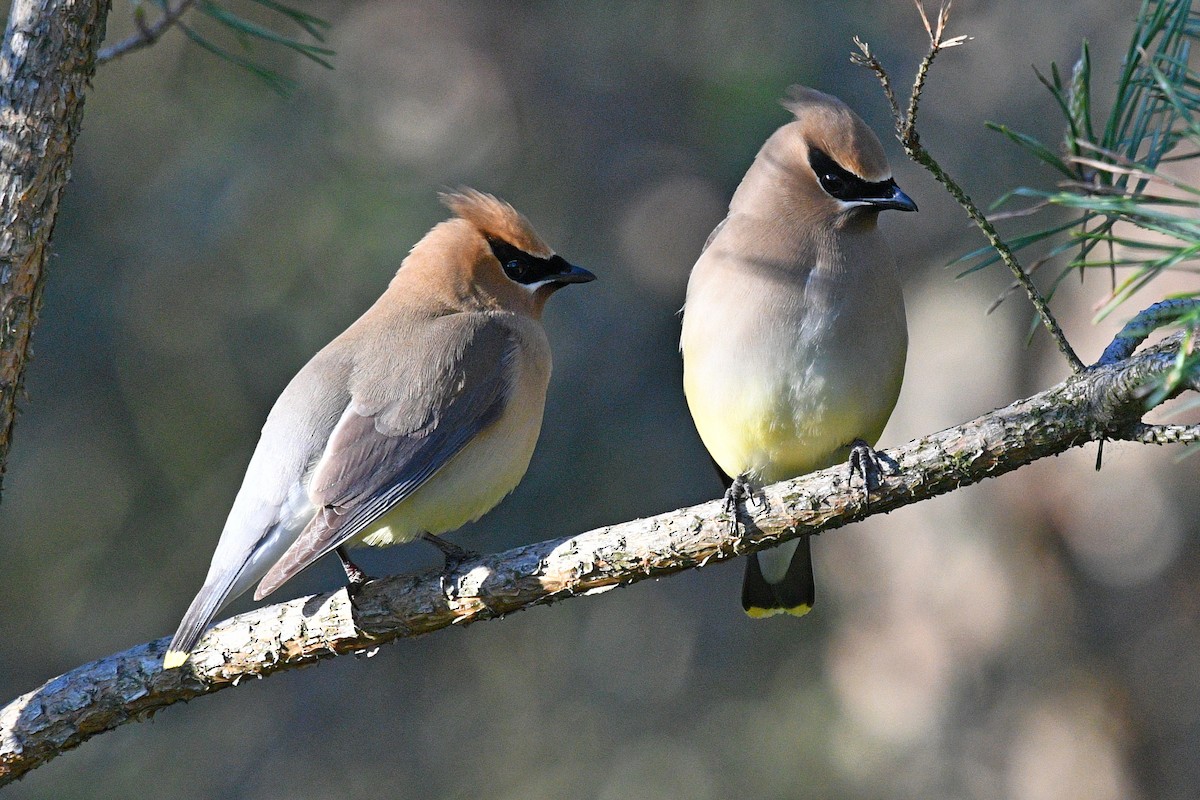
[(246, 32), (1034, 637)]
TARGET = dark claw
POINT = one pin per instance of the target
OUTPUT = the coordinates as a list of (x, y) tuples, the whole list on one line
[(869, 464), (454, 555), (355, 577), (737, 494)]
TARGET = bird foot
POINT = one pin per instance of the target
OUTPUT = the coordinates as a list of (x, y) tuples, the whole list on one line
[(454, 557), (356, 578), (452, 553), (869, 464), (737, 494)]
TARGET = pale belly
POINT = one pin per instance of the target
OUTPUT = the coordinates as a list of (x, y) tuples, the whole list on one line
[(777, 408), (772, 436)]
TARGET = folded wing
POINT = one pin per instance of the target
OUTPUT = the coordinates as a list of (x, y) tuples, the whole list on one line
[(382, 451)]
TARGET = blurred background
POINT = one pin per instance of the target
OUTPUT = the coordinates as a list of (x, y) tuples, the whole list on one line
[(1037, 636)]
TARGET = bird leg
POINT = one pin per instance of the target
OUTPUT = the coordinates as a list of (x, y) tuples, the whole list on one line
[(738, 491), (869, 464), (355, 577), (453, 554)]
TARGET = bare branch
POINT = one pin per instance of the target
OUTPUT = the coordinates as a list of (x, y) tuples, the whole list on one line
[(147, 34), (1138, 329), (1102, 403), (865, 58), (906, 132)]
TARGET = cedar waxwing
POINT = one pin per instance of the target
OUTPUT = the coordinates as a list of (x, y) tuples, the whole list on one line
[(794, 334), (417, 419)]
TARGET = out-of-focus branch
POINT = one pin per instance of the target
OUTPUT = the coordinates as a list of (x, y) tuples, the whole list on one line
[(1168, 434), (245, 30), (48, 57), (147, 34), (906, 132), (1104, 402)]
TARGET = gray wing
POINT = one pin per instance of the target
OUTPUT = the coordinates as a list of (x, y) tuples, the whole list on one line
[(387, 444)]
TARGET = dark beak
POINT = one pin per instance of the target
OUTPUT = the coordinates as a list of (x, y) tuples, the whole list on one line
[(574, 274), (897, 200)]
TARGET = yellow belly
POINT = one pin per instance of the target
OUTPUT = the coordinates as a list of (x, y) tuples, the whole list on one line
[(780, 430)]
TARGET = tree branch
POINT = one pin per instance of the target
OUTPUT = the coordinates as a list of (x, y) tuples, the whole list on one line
[(1104, 402), (906, 132), (48, 57), (147, 34), (1144, 323)]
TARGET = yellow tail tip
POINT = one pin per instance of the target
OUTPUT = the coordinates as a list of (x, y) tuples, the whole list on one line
[(174, 659), (754, 612)]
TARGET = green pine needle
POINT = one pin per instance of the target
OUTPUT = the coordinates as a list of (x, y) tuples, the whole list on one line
[(1113, 185), (312, 25), (245, 27), (246, 33), (277, 83)]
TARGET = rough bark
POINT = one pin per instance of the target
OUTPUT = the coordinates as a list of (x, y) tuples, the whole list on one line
[(1102, 403), (48, 57)]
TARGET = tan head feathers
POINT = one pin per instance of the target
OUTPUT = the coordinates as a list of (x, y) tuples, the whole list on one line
[(495, 219), (829, 125)]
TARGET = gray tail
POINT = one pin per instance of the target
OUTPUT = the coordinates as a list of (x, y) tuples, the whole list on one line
[(200, 613)]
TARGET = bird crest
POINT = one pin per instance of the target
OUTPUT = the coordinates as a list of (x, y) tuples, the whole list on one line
[(831, 126), (495, 219)]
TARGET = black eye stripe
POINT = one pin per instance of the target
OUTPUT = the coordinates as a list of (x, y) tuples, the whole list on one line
[(524, 268), (843, 184)]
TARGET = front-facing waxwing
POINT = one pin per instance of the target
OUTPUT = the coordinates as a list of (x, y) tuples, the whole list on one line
[(417, 419), (794, 335)]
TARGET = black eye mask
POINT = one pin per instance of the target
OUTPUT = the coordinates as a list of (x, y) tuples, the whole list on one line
[(843, 184), (527, 269)]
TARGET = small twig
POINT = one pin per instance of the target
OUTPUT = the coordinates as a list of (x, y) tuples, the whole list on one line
[(1167, 434), (147, 34), (906, 132), (864, 58)]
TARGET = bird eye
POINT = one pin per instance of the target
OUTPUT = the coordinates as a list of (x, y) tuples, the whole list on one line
[(833, 183), (836, 180), (517, 270)]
